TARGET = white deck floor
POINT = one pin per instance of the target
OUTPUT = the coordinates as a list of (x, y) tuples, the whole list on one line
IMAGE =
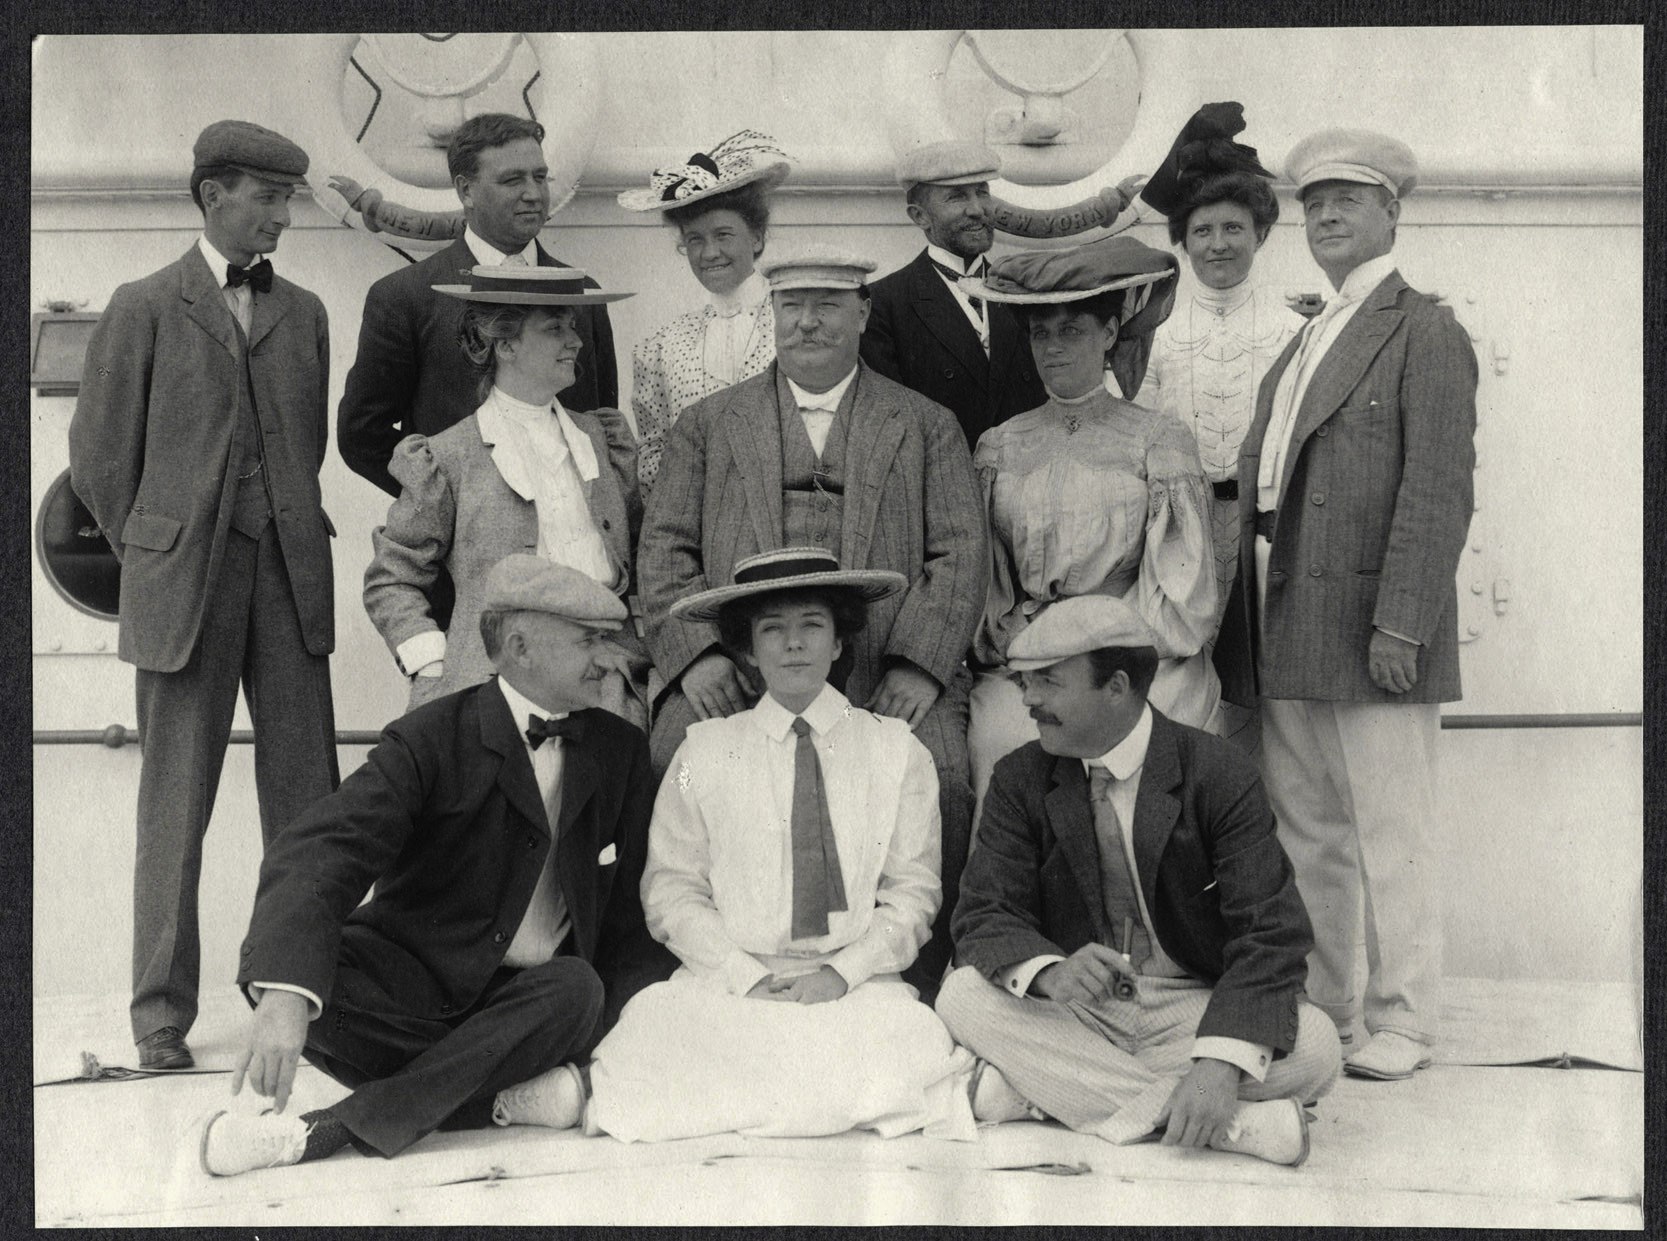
[(1478, 1139)]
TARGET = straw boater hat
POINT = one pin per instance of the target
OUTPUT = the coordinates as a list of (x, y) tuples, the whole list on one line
[(789, 568), (741, 159), (528, 286), (1051, 277)]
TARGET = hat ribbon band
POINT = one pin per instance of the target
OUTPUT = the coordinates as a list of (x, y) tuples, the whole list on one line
[(785, 568), (502, 284)]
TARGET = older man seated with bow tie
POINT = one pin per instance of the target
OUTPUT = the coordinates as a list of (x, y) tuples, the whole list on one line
[(505, 829)]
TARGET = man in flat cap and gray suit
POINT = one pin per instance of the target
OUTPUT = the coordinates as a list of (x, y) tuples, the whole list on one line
[(820, 451), (965, 353), (505, 829), (196, 443), (1356, 494), (1129, 932)]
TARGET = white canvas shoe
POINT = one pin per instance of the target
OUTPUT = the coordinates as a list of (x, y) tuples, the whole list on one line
[(1276, 1130), (554, 1099), (994, 1100), (1388, 1057), (235, 1142)]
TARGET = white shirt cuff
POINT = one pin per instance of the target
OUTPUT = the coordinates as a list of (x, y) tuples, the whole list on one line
[(1401, 636), (1017, 978), (417, 652), (743, 972), (1253, 1058), (315, 1006)]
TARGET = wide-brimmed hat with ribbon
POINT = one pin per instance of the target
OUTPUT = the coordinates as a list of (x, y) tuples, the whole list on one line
[(746, 158), (528, 286), (1054, 277), (789, 568)]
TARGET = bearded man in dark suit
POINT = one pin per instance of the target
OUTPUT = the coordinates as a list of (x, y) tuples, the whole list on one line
[(965, 353), (410, 375), (505, 829)]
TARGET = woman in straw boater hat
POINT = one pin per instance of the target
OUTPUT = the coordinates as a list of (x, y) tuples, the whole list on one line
[(793, 868), (1208, 358), (719, 204), (1088, 493), (520, 474)]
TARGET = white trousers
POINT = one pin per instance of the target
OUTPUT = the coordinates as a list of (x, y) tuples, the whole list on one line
[(1352, 785), (1109, 1068)]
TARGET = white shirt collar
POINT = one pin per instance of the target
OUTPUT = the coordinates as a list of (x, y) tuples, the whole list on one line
[(521, 707), (217, 262), (826, 709), (828, 400), (1368, 276), (748, 295), (1128, 756), (488, 255), (953, 261), (518, 408)]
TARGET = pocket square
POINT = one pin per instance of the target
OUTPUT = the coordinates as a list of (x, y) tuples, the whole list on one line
[(607, 856)]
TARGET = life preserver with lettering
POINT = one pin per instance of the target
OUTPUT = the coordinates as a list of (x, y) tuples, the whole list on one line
[(346, 182), (915, 72)]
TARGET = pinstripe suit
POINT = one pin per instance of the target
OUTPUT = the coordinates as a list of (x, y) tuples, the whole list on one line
[(911, 504), (1374, 504)]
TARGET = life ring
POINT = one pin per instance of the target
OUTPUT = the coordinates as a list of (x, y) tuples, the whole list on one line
[(352, 187), (914, 74)]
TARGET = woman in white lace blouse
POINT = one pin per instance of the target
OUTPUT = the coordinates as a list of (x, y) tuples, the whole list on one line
[(1209, 357), (718, 203)]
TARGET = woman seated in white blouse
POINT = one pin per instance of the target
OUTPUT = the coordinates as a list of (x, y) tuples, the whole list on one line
[(718, 203), (522, 474), (793, 869)]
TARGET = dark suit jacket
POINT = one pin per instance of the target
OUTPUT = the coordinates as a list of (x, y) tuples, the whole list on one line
[(911, 504), (1221, 892), (445, 818), (1375, 508), (918, 335), (152, 432), (411, 378)]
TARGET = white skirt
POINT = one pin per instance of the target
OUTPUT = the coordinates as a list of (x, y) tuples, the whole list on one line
[(688, 1059)]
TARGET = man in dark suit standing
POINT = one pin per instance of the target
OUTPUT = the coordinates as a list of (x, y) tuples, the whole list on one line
[(197, 439), (1356, 493), (505, 829), (1130, 935), (410, 376), (963, 352)]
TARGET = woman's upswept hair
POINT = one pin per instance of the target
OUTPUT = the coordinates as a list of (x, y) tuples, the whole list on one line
[(1250, 191)]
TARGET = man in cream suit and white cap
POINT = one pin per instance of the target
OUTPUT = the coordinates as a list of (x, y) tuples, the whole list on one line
[(1131, 938), (1356, 495)]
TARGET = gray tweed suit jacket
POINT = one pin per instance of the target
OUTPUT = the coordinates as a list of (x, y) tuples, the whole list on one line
[(912, 504)]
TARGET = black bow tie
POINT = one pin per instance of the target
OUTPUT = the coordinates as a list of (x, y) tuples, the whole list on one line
[(540, 729), (258, 276)]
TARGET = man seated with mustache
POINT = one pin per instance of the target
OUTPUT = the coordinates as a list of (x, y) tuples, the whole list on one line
[(1131, 941), (505, 828), (821, 451)]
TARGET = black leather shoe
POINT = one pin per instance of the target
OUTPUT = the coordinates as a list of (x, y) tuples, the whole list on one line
[(165, 1049)]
